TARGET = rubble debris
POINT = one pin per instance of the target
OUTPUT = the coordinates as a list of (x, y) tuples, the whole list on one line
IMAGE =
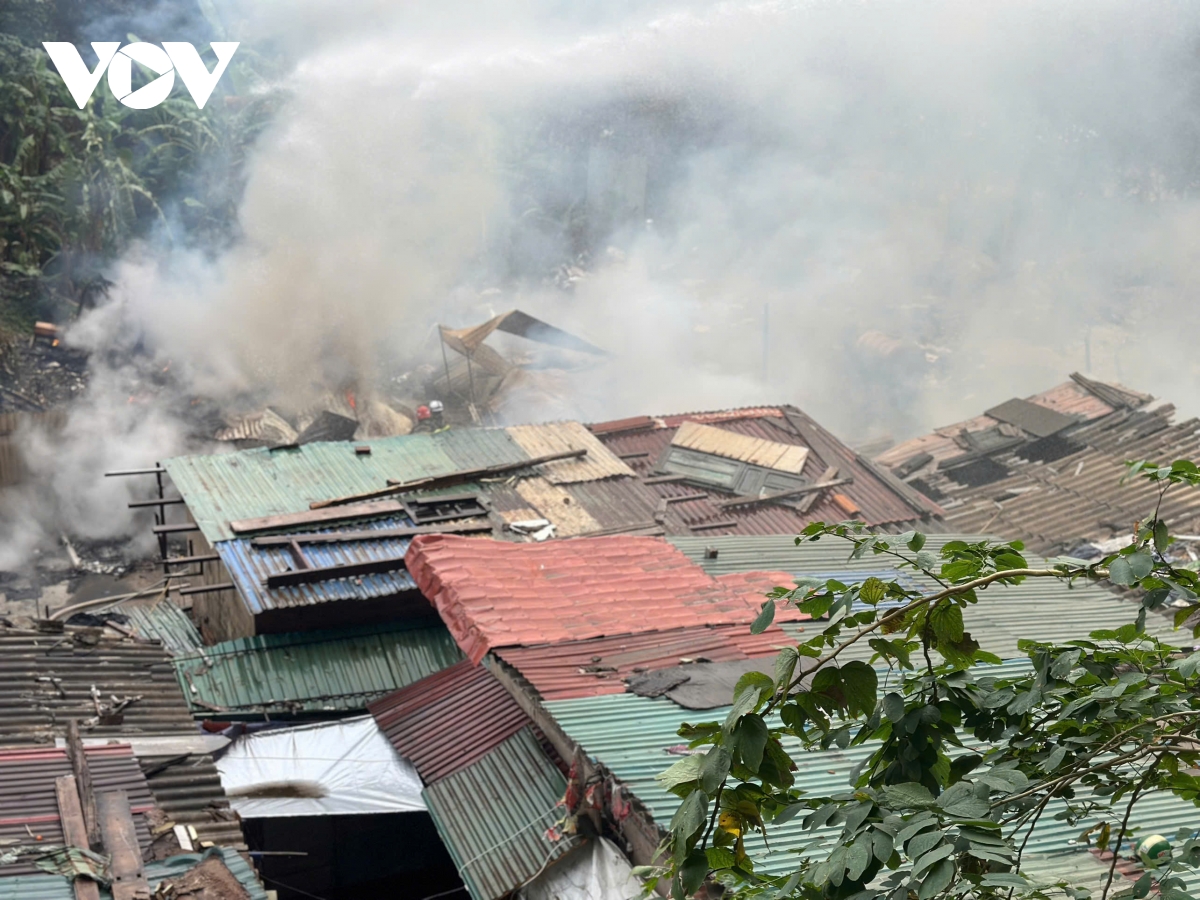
[(328, 426), (210, 879)]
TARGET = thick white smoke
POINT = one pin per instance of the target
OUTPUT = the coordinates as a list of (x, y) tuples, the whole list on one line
[(934, 205)]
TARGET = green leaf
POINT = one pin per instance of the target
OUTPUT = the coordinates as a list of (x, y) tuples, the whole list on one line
[(937, 880), (1142, 886), (693, 871), (928, 859), (714, 767), (1120, 572), (893, 707), (882, 845), (720, 858), (744, 701), (858, 857), (1188, 666), (1141, 564), (765, 618), (923, 843), (1054, 760), (908, 795), (1161, 538), (751, 737), (785, 667), (947, 622), (685, 771), (916, 542), (859, 682), (926, 560), (689, 818), (872, 591)]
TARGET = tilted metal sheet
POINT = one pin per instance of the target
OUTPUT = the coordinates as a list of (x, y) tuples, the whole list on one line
[(249, 567), (559, 437), (1042, 609), (493, 816), (756, 451), (163, 621), (320, 671)]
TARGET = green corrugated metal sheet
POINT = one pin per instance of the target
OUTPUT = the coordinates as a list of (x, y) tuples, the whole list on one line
[(164, 622), (312, 671), (253, 483), (1039, 609), (631, 736), (54, 887), (493, 815)]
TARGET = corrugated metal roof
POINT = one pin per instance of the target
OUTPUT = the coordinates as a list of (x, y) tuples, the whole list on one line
[(249, 567), (558, 437), (757, 451), (880, 498), (161, 620), (28, 800), (309, 672), (55, 887), (189, 791), (47, 679), (631, 736), (601, 665), (1038, 609), (493, 816), (497, 594), (449, 720)]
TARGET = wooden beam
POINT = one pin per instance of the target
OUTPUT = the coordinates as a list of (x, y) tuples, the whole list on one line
[(207, 588), (784, 495), (121, 843), (685, 498), (449, 479), (175, 529), (805, 503), (327, 573), (316, 517), (664, 479), (83, 782), (70, 813), (188, 560), (705, 526), (168, 501), (477, 526)]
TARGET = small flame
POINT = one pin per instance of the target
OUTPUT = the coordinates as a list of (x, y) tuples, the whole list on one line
[(350, 399)]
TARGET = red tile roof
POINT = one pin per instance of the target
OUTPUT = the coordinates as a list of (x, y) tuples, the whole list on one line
[(446, 722), (600, 666), (500, 594)]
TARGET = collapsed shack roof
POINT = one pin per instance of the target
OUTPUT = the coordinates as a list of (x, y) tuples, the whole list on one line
[(121, 690), (314, 672), (493, 789), (1048, 470), (738, 454)]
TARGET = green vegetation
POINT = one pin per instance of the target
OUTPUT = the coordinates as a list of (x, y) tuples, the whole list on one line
[(77, 186), (1094, 727)]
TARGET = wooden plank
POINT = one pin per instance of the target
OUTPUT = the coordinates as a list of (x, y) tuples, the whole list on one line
[(121, 844), (70, 813), (450, 479), (685, 498), (805, 503), (207, 588), (705, 526), (477, 526), (316, 517), (83, 783), (784, 495), (175, 528), (188, 560), (664, 479), (168, 501), (326, 573)]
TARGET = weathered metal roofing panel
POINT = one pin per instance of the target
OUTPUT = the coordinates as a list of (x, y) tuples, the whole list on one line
[(601, 665), (634, 736), (449, 720), (254, 483), (309, 672), (493, 816), (30, 805), (756, 451), (249, 567), (1038, 609), (161, 620), (558, 437), (56, 887)]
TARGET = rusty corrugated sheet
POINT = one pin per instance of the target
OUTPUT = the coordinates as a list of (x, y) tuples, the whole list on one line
[(446, 722), (494, 816), (498, 594), (756, 451), (28, 803), (601, 665), (47, 679), (559, 437)]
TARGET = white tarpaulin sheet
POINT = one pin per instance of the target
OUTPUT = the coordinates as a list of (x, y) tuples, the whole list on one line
[(595, 871), (333, 768)]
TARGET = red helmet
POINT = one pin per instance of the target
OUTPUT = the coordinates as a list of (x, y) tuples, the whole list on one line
[(422, 412)]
